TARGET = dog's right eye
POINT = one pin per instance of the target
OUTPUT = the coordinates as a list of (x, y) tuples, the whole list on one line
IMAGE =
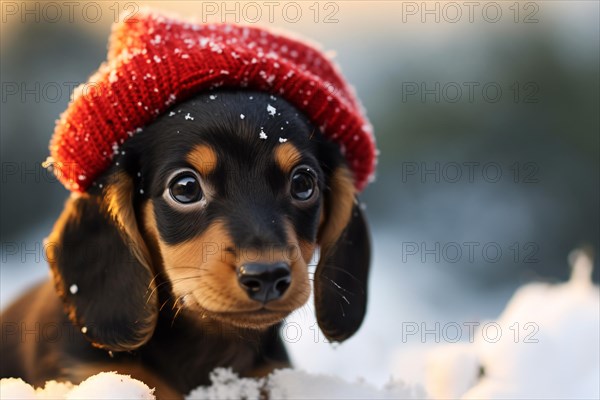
[(185, 189)]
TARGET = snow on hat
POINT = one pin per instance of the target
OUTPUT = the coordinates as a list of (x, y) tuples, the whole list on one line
[(155, 62)]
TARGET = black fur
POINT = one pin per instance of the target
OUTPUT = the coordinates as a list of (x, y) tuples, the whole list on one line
[(91, 252), (340, 310), (250, 189)]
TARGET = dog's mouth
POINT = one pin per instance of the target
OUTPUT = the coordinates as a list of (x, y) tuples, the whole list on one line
[(259, 318), (220, 293), (263, 316)]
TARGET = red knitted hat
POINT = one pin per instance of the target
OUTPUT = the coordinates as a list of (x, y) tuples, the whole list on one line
[(155, 62)]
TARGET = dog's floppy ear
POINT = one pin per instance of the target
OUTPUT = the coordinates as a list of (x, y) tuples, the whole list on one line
[(102, 267), (341, 276)]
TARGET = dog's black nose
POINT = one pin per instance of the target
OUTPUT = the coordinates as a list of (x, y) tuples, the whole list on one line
[(264, 282)]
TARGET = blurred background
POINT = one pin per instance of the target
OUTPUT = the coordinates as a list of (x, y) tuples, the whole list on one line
[(486, 115)]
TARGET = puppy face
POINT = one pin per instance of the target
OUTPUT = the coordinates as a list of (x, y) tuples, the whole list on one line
[(233, 183), (215, 208)]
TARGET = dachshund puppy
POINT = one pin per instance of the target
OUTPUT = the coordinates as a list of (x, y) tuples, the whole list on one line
[(190, 250)]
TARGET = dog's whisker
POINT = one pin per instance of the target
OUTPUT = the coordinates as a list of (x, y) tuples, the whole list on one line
[(333, 267), (166, 282), (179, 308), (176, 302), (186, 267), (153, 280), (342, 309), (163, 304), (337, 286), (183, 278)]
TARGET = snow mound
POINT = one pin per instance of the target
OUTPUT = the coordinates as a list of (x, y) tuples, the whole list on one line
[(227, 385), (110, 385), (549, 348), (295, 384), (105, 385), (281, 384)]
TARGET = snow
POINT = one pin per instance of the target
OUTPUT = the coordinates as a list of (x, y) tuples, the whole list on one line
[(242, 116), (296, 384), (262, 135), (282, 140), (171, 100), (227, 385), (12, 388), (188, 117), (444, 379), (110, 385), (73, 289), (281, 384), (105, 385), (289, 384), (549, 348), (113, 77), (271, 110), (156, 40)]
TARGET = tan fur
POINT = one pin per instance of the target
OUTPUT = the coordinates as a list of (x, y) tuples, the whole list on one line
[(119, 203), (203, 274), (336, 217), (287, 157), (203, 158)]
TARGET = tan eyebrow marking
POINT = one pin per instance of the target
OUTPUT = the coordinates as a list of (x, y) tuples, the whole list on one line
[(287, 156), (203, 158)]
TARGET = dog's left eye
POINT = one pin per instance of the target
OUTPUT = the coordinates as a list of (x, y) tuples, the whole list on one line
[(303, 185), (185, 189)]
